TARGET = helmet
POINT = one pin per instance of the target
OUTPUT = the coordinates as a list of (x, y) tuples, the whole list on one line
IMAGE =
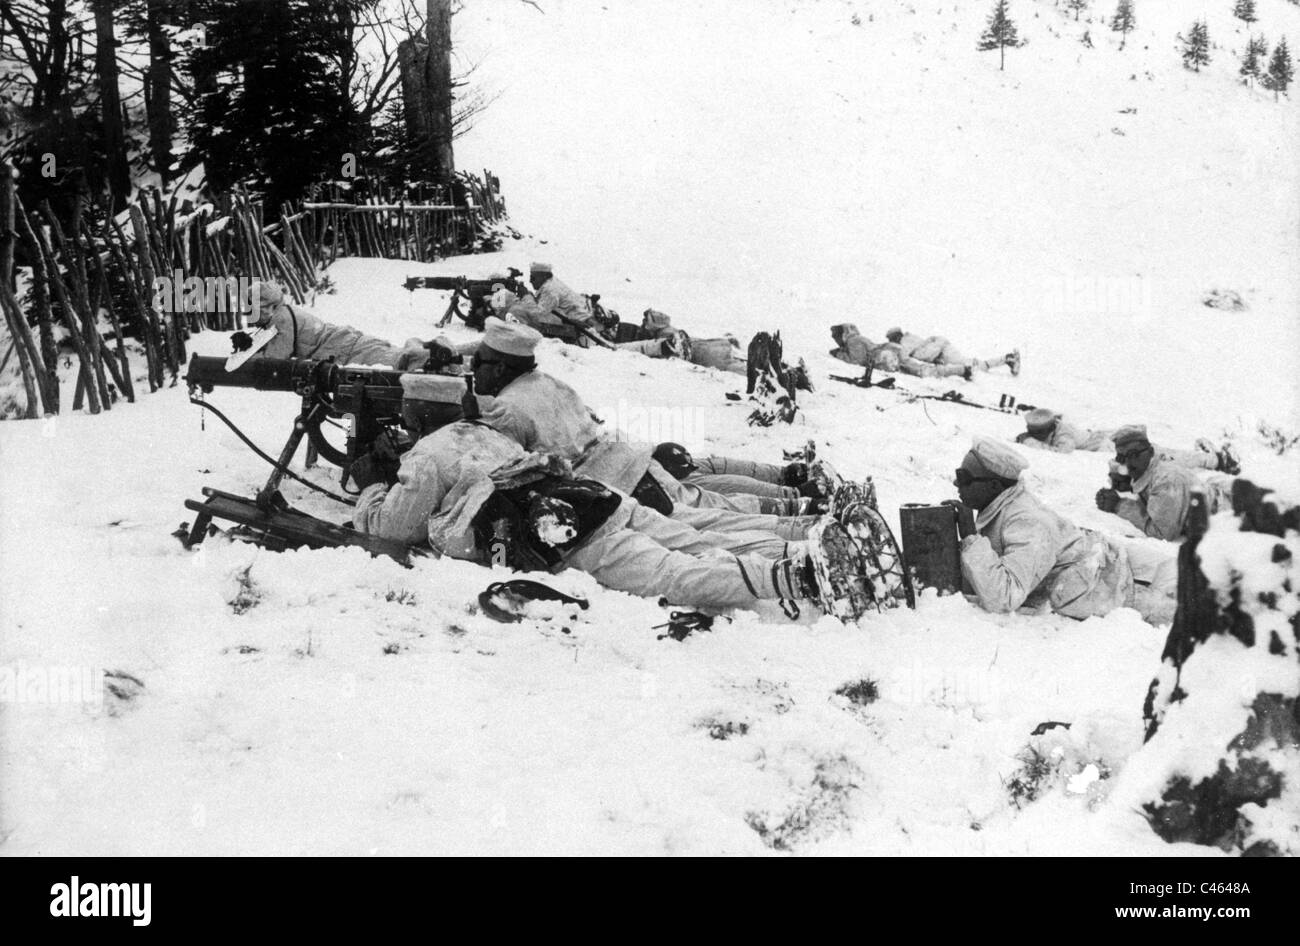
[(674, 458)]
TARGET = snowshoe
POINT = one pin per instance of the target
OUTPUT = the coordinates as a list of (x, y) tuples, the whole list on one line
[(850, 492), (882, 561), (841, 590), (507, 601)]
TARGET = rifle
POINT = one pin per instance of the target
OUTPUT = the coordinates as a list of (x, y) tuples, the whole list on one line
[(1007, 403), (474, 291), (581, 329), (370, 397)]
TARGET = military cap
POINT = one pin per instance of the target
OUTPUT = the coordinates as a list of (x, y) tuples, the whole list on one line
[(1135, 434), (510, 338), (1041, 419), (995, 457)]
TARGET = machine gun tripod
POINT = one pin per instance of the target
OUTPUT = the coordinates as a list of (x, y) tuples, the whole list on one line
[(370, 397)]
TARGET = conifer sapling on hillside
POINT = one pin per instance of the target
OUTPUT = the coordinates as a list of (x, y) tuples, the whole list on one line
[(1196, 46), (1253, 59), (1123, 22), (1280, 69), (1244, 10), (1000, 33)]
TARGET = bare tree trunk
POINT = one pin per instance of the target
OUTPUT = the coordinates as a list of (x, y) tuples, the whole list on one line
[(158, 81), (417, 104), (438, 77), (44, 313), (110, 104), (29, 354)]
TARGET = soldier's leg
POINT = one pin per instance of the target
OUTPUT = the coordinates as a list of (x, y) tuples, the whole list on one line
[(930, 350), (1153, 566), (722, 520), (949, 355), (923, 369), (734, 466), (729, 484), (1191, 459), (652, 348), (677, 536), (626, 560), (685, 494)]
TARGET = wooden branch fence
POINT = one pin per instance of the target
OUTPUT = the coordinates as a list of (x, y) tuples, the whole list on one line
[(101, 268)]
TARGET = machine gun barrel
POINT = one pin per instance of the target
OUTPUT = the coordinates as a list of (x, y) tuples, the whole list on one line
[(295, 375), (261, 374)]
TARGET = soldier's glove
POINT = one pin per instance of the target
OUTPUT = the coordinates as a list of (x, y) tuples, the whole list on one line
[(1121, 482), (384, 450), (371, 468), (795, 474), (1107, 500), (965, 517)]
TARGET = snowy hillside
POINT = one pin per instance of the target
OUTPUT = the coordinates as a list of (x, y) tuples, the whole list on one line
[(739, 166)]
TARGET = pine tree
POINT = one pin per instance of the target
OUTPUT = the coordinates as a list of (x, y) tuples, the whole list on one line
[(276, 111), (1000, 33), (1077, 6), (1123, 22), (1256, 51), (1280, 70), (1245, 11), (1196, 46)]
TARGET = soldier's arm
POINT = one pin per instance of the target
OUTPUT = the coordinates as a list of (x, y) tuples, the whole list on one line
[(506, 418), (1064, 442), (1167, 510), (1134, 511), (401, 511), (1003, 583)]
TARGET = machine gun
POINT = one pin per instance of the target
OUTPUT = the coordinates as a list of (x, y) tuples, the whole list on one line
[(474, 291), (370, 397)]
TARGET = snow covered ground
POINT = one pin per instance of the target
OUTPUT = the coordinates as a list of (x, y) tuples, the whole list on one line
[(739, 166)]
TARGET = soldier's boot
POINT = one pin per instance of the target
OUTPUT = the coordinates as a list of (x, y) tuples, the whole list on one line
[(1225, 455)]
